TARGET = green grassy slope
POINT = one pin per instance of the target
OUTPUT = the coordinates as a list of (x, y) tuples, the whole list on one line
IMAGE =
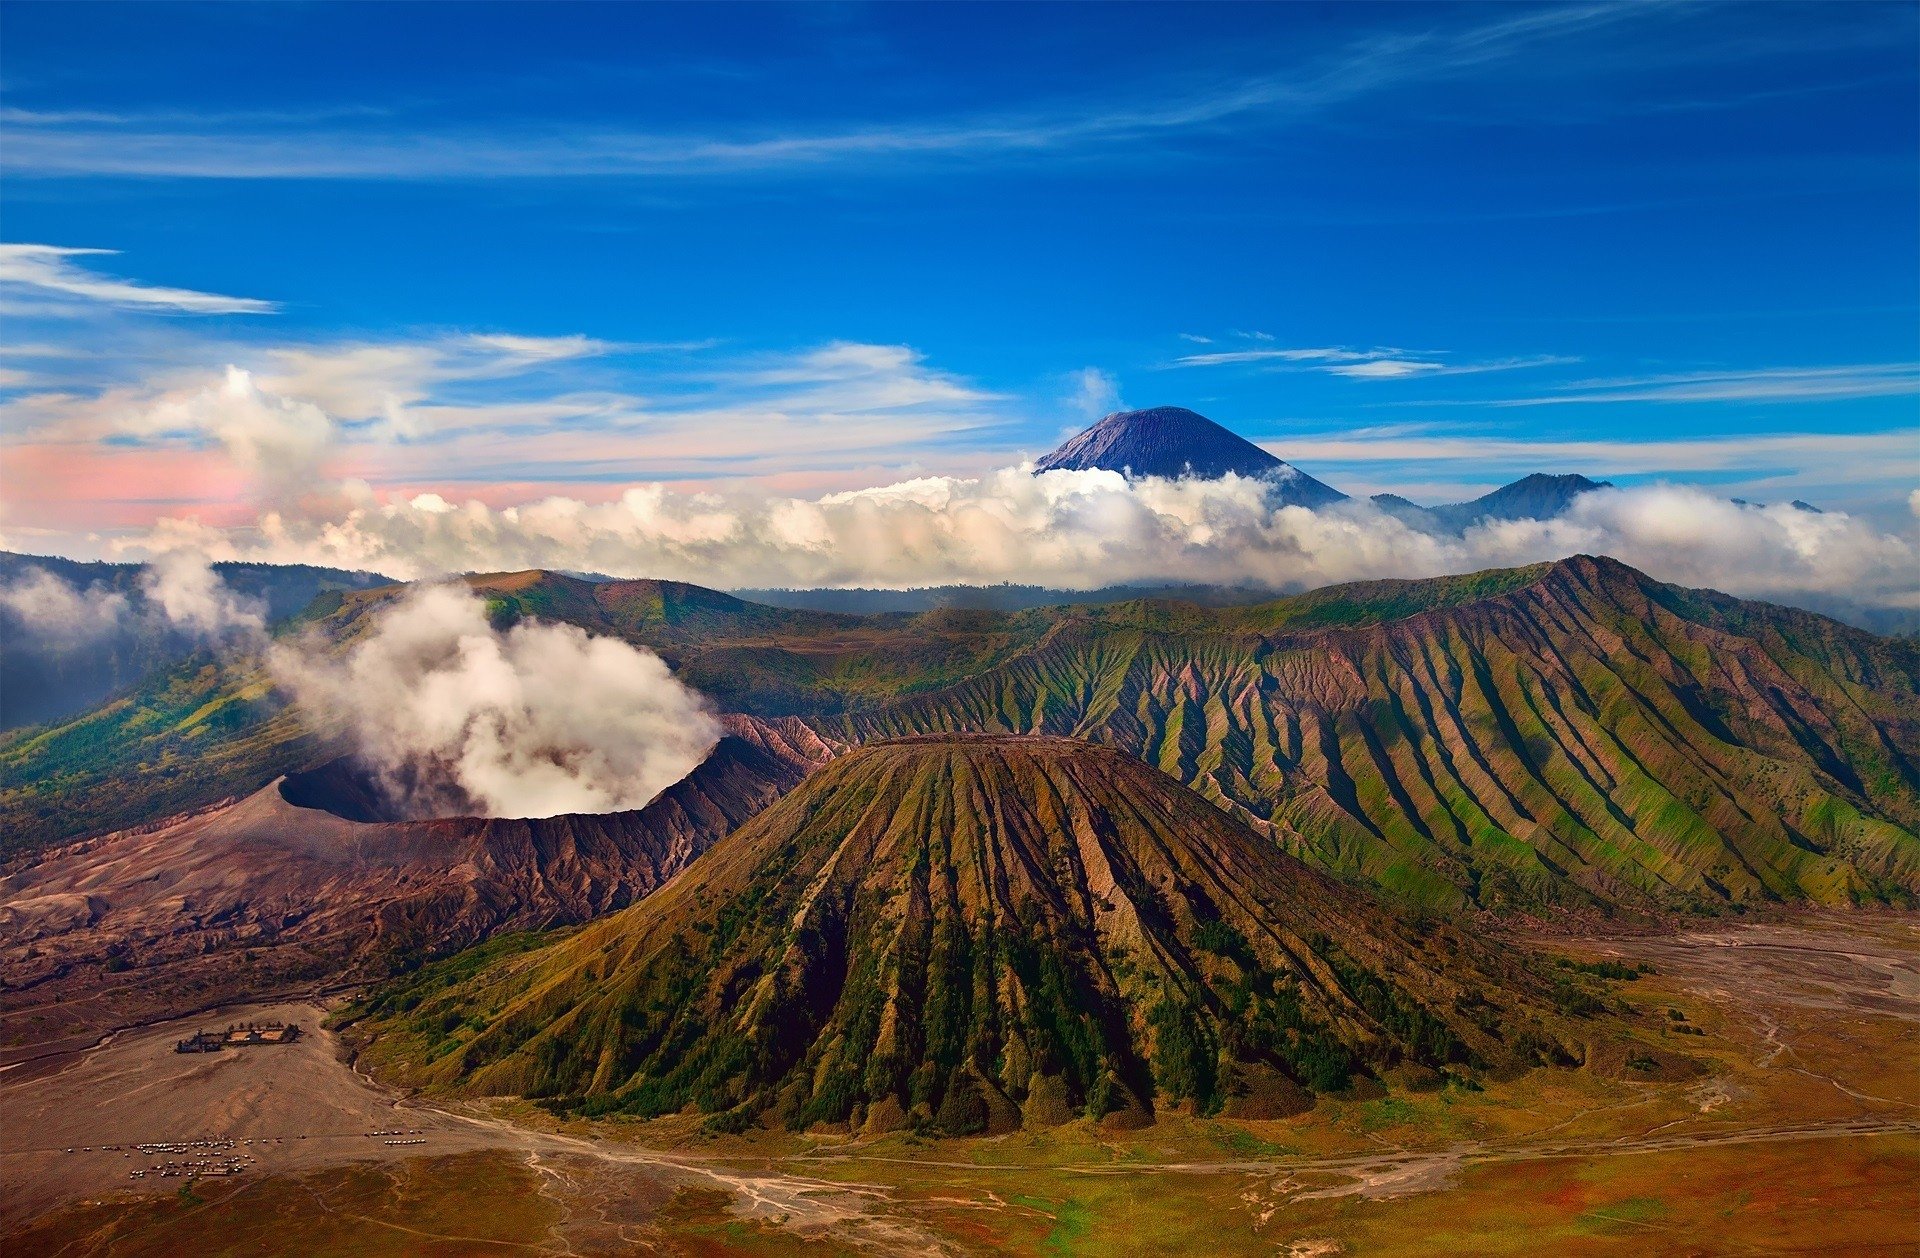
[(47, 677), (1581, 735), (960, 932), (201, 731)]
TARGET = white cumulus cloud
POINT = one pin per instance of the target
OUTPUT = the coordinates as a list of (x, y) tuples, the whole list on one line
[(1074, 530)]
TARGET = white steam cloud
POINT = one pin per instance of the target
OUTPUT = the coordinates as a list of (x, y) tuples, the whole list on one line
[(454, 716), (191, 595), (180, 591), (1095, 393), (48, 607), (1077, 530), (450, 714)]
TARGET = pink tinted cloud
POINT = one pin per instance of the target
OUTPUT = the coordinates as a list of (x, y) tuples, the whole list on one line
[(73, 486)]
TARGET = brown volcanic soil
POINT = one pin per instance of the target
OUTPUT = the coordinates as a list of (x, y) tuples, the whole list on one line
[(72, 1125), (262, 897), (283, 1107), (1803, 1139)]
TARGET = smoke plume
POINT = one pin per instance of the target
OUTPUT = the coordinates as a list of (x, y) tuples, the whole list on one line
[(186, 590), (454, 716)]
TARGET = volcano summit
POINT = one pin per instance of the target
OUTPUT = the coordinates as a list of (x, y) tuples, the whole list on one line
[(1173, 441)]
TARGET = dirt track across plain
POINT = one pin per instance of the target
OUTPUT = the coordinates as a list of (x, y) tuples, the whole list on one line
[(1780, 991)]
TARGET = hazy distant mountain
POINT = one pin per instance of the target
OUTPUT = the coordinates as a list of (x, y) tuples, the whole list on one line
[(972, 935), (1405, 509), (1535, 497), (51, 671), (1002, 598), (1173, 441), (1797, 504)]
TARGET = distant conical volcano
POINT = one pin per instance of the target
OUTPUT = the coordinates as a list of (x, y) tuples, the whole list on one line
[(1535, 497), (971, 933), (1173, 441)]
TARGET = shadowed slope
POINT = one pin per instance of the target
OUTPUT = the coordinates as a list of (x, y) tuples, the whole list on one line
[(965, 932)]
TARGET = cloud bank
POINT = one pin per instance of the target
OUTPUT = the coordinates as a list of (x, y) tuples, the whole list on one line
[(456, 717), (1071, 530)]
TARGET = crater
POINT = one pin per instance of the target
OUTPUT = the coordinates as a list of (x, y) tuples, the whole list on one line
[(351, 789)]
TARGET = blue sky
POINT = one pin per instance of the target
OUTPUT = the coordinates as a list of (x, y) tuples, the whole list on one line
[(1425, 248)]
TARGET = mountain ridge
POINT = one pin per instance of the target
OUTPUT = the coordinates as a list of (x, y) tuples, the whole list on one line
[(1536, 496), (1571, 734), (1466, 755)]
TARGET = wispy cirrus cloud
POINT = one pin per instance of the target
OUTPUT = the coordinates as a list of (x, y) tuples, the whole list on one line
[(1893, 453), (277, 145), (1403, 368), (395, 383), (1378, 363), (1237, 357), (1771, 384), (43, 270)]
